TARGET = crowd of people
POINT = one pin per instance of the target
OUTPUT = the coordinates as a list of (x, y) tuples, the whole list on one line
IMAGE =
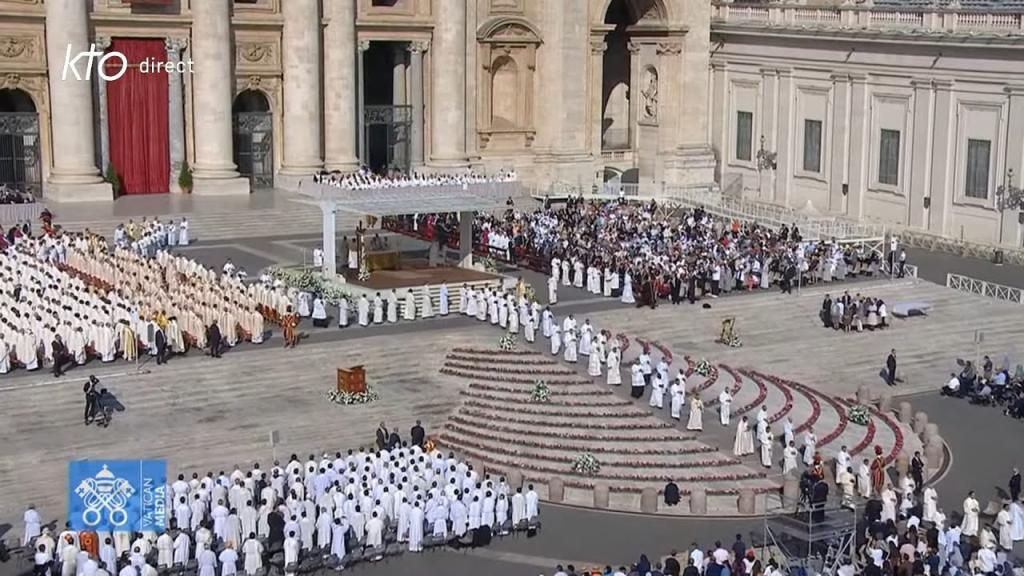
[(643, 253), (992, 386), (9, 195), (148, 237), (854, 313), (331, 511), (365, 179)]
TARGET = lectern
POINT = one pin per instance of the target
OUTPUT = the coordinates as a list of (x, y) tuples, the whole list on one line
[(352, 380)]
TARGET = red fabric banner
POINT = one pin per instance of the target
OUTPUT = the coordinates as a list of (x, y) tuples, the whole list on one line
[(137, 118)]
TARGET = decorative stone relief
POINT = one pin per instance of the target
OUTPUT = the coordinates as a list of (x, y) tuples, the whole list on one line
[(669, 48), (256, 53), (650, 94), (17, 48)]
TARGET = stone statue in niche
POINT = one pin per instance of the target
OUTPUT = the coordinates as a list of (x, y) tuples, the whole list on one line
[(650, 94)]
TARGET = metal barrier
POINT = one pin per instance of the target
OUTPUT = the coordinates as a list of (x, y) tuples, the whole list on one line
[(983, 288)]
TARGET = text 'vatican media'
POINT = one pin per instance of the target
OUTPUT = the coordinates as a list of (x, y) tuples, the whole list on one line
[(98, 59)]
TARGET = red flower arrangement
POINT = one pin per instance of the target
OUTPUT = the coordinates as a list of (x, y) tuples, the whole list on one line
[(576, 411), (502, 370), (528, 399), (491, 360), (574, 393), (573, 419), (786, 392), (596, 445), (762, 393), (490, 352)]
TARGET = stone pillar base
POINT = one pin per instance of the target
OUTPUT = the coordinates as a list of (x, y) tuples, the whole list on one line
[(220, 187), (690, 166), (290, 180), (92, 192)]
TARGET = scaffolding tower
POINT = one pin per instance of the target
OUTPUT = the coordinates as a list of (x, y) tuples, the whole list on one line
[(817, 538)]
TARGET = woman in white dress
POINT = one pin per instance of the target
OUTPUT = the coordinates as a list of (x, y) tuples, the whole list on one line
[(696, 421), (627, 290), (614, 377)]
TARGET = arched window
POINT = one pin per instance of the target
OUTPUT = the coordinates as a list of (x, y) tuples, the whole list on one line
[(504, 93)]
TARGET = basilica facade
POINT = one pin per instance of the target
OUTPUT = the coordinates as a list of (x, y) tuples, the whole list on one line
[(906, 114)]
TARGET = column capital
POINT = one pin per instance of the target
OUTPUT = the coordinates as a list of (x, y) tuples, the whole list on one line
[(364, 45), (102, 42), (921, 83), (1014, 90), (174, 44), (943, 84), (419, 46), (633, 47), (598, 46), (840, 77)]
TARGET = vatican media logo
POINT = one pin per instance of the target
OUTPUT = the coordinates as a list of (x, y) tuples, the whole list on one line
[(117, 495), (98, 59)]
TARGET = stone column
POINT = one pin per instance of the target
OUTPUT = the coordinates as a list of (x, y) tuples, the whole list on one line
[(364, 45), (943, 146), (918, 172), (301, 64), (416, 50), (340, 105), (329, 241), (841, 85), (398, 92), (448, 78), (215, 172), (597, 49), (102, 43), (857, 174), (634, 93), (466, 239), (785, 158), (74, 175), (175, 110)]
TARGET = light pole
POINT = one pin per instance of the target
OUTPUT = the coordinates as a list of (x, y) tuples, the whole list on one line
[(765, 161), (1008, 197)]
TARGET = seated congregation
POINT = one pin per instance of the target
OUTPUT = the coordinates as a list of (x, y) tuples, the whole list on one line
[(993, 386)]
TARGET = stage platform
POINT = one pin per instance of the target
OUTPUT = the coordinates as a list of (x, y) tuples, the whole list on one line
[(416, 273)]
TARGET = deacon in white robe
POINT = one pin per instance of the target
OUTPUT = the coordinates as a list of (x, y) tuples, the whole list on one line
[(253, 551), (392, 306), (657, 399), (416, 528), (790, 456), (529, 330), (971, 510), (463, 299), (724, 406), (426, 303), (696, 421), (443, 303), (614, 377), (556, 340), (228, 561), (1004, 522), (570, 347), (363, 311), (739, 447), (864, 479), (766, 439), (343, 312), (378, 309), (552, 290), (409, 310), (931, 504), (810, 447), (547, 322), (586, 338), (594, 364)]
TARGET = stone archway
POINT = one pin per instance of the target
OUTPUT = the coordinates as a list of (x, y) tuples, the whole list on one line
[(253, 130), (620, 93), (20, 165)]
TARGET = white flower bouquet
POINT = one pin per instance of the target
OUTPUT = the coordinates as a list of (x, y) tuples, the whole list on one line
[(507, 343), (703, 367), (859, 414), (586, 464), (349, 398), (541, 392)]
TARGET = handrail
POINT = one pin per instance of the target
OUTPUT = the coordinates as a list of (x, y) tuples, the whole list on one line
[(983, 288)]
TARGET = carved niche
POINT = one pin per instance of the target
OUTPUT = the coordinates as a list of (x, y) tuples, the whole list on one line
[(508, 57)]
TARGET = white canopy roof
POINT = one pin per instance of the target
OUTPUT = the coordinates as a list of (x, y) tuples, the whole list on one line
[(392, 201)]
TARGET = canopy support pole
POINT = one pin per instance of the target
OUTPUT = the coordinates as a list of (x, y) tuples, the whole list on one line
[(330, 267), (466, 239)]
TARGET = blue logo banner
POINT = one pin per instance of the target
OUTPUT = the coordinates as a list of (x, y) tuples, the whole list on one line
[(117, 495)]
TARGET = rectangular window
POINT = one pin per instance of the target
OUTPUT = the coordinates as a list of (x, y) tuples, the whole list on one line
[(978, 157), (812, 145), (889, 157), (744, 135)]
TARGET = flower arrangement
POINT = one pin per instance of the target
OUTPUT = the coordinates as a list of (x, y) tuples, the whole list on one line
[(586, 464), (350, 398), (364, 273), (858, 414), (488, 264), (507, 343), (308, 280), (541, 392), (703, 367)]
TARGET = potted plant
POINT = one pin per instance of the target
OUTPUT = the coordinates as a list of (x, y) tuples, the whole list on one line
[(185, 178), (113, 179)]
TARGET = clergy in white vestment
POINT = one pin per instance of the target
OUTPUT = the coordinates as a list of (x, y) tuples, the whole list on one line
[(378, 309), (532, 502), (375, 534), (392, 313), (614, 377), (426, 303), (207, 563), (547, 322), (564, 275), (739, 447), (443, 302), (766, 439), (1017, 512), (696, 420), (513, 318), (481, 305), (33, 525), (842, 460), (724, 406), (931, 504), (409, 312), (788, 432), (810, 447), (318, 257), (342, 312), (971, 510), (627, 290), (253, 552), (165, 551), (677, 397), (468, 302), (594, 364), (552, 290), (556, 267), (464, 292), (864, 479), (637, 384), (1004, 522), (529, 330), (182, 546), (790, 456), (503, 312), (292, 548), (658, 386), (416, 528), (228, 560), (889, 501), (363, 311), (183, 235), (586, 338), (5, 355), (556, 341), (319, 312), (846, 482), (570, 347)]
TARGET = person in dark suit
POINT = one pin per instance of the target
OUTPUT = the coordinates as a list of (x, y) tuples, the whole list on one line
[(672, 567), (382, 436), (60, 356), (1015, 485), (890, 368), (160, 339), (917, 472), (671, 493), (417, 435), (91, 397), (275, 540), (213, 339)]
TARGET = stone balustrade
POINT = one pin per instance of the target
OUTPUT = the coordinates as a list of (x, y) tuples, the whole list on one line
[(851, 17)]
